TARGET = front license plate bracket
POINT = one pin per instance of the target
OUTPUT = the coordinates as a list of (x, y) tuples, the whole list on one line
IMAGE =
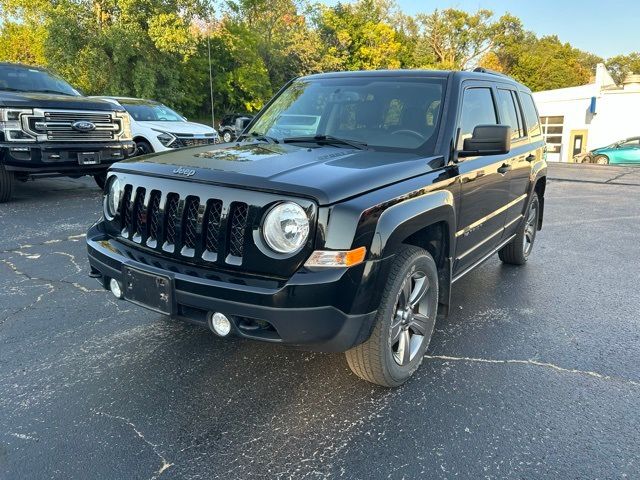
[(148, 289)]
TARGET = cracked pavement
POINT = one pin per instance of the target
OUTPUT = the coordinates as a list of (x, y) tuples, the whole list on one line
[(535, 374)]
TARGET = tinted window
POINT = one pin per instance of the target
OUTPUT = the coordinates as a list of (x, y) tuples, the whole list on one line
[(389, 114), (142, 112), (633, 142), (477, 109), (22, 79), (509, 113), (531, 114)]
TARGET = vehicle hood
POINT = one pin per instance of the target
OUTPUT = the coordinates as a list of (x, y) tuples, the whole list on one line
[(327, 174), (179, 128), (46, 100)]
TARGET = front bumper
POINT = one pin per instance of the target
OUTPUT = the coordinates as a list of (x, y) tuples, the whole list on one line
[(306, 310), (61, 158)]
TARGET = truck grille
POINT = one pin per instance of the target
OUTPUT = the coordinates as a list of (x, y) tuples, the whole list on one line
[(57, 125), (192, 142), (189, 227)]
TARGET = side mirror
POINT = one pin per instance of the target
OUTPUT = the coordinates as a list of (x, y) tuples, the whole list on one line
[(487, 140), (241, 124)]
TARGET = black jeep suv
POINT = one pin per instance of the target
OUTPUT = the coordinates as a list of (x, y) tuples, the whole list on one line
[(341, 219), (48, 129)]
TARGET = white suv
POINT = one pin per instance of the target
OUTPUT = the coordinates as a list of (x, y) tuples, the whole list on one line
[(156, 128)]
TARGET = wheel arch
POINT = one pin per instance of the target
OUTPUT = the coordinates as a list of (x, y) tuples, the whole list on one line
[(428, 222)]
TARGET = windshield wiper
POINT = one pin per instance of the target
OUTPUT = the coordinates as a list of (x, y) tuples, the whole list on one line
[(327, 140), (260, 137)]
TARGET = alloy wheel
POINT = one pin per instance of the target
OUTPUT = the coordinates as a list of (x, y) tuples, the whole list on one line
[(530, 228), (411, 320)]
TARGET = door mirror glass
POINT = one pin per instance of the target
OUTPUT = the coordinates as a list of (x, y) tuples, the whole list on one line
[(487, 140)]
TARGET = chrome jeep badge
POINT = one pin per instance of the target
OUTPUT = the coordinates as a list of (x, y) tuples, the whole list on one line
[(187, 172)]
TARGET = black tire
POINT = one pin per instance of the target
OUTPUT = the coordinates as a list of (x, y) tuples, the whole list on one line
[(227, 136), (518, 250), (143, 148), (101, 179), (601, 160), (377, 360), (6, 184)]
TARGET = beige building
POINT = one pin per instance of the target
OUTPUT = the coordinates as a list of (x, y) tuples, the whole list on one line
[(578, 119)]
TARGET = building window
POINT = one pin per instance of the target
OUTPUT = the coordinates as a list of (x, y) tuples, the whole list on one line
[(552, 132)]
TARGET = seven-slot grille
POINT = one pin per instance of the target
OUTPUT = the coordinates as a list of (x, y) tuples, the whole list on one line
[(190, 227)]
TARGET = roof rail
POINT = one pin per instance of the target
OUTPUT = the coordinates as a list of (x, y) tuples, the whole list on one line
[(491, 72)]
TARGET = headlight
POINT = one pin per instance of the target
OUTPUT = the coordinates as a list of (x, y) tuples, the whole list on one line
[(11, 125), (114, 194), (166, 139), (286, 227), (125, 119)]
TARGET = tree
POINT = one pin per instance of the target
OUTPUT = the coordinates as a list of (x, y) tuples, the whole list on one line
[(622, 65), (357, 37), (542, 63), (454, 39)]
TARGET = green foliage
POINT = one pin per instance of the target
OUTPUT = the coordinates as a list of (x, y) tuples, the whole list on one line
[(159, 48), (623, 65), (542, 63)]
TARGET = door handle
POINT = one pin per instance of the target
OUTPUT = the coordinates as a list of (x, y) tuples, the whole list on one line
[(530, 158), (504, 168)]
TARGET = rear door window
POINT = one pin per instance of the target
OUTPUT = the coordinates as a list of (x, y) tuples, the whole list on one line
[(530, 115), (509, 113)]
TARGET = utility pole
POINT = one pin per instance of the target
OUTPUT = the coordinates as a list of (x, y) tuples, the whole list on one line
[(213, 124)]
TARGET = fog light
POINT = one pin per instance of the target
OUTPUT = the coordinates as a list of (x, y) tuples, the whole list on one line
[(115, 288), (220, 324)]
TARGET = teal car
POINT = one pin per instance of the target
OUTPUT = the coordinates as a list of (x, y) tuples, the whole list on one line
[(624, 152)]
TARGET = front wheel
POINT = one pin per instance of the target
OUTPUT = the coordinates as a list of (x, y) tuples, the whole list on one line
[(6, 184), (518, 250), (404, 322), (601, 160), (100, 179), (143, 148), (227, 137)]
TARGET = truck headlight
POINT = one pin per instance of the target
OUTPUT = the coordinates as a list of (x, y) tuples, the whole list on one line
[(285, 228), (113, 197), (125, 121), (11, 125)]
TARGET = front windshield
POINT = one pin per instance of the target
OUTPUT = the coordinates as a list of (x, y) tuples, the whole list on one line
[(151, 112), (24, 79), (385, 113)]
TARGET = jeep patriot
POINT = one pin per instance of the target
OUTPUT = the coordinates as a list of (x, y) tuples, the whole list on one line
[(340, 220)]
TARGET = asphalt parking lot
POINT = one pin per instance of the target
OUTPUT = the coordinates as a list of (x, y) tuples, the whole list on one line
[(535, 374)]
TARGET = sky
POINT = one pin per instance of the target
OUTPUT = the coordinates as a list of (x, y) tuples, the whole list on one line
[(604, 27)]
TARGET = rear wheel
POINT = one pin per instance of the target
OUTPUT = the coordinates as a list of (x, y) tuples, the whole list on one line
[(6, 184), (404, 322), (518, 250), (601, 160)]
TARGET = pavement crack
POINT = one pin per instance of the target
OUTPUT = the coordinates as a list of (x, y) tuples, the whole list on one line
[(47, 281), (72, 259), (534, 363), (155, 447), (70, 238)]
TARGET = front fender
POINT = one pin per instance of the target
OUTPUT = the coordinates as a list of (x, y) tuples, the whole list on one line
[(402, 220)]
